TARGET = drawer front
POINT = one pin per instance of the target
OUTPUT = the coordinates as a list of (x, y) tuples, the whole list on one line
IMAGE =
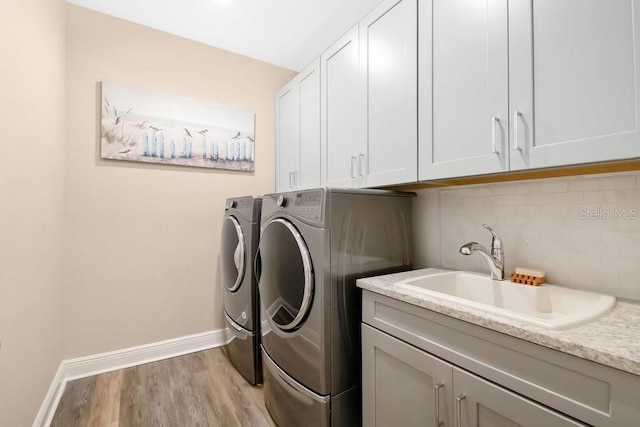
[(582, 389)]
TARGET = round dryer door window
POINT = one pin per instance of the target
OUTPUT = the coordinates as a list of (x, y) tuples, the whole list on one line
[(232, 254), (286, 279)]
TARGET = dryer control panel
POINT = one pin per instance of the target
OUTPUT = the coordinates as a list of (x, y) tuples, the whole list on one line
[(303, 204), (309, 199)]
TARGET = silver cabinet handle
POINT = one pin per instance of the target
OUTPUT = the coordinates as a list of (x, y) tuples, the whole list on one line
[(353, 174), (291, 180), (495, 121), (459, 400), (296, 180), (361, 157), (516, 117), (436, 392)]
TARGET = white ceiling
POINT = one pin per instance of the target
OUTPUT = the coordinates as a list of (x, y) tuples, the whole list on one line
[(288, 33)]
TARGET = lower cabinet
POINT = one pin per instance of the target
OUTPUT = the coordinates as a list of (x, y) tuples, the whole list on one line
[(422, 368), (403, 385)]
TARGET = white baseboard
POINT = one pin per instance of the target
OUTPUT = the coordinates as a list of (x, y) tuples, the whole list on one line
[(51, 399), (81, 367)]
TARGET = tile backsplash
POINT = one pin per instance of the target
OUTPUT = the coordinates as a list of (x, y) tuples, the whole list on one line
[(583, 231)]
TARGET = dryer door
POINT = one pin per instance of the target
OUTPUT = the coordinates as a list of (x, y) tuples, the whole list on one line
[(286, 280), (233, 254)]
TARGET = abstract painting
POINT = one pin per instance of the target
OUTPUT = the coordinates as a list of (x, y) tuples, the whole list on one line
[(142, 125)]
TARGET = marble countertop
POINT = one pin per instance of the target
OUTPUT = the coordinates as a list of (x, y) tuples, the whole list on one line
[(613, 340)]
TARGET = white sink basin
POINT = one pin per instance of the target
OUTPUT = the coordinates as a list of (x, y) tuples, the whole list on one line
[(547, 306)]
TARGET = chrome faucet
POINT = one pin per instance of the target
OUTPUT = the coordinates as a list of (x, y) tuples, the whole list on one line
[(495, 258)]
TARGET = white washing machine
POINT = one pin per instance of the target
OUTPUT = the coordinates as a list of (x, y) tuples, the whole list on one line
[(240, 237), (314, 244)]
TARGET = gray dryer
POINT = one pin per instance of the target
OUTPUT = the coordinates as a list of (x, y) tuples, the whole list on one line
[(314, 244)]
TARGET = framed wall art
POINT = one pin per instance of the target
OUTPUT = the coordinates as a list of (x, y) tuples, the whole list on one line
[(142, 125)]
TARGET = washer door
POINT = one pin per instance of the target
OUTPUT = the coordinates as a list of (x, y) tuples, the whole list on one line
[(286, 280), (233, 254)]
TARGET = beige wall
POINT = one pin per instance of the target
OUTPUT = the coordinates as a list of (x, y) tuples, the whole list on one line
[(142, 240), (32, 51)]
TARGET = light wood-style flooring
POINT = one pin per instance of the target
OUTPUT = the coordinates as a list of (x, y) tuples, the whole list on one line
[(198, 389)]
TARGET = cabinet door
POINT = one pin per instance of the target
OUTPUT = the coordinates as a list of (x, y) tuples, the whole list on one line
[(399, 384), (308, 175), (464, 93), (287, 135), (574, 74), (480, 403), (388, 44), (342, 105)]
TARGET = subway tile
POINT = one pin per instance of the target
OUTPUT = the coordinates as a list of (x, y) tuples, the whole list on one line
[(629, 224), (554, 210), (602, 196), (484, 190), (505, 210), (560, 277), (515, 200), (618, 182), (631, 196), (540, 199), (554, 187), (474, 201), (589, 263), (569, 197), (493, 201), (584, 184), (584, 236), (502, 190), (528, 210), (539, 221), (580, 224), (458, 191), (527, 187), (622, 287), (629, 252), (452, 204), (620, 237), (607, 250)]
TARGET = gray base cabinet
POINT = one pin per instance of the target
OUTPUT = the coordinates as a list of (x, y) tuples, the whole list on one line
[(402, 385), (421, 368), (405, 386)]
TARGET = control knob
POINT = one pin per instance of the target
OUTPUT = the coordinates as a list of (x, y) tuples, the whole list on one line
[(281, 201)]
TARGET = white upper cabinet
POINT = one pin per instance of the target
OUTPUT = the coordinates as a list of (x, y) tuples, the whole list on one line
[(433, 89), (464, 89), (342, 106), (298, 131), (531, 84), (573, 76), (287, 135), (309, 150), (388, 45)]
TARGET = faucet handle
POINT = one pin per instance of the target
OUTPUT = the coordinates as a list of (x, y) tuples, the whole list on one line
[(496, 242)]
